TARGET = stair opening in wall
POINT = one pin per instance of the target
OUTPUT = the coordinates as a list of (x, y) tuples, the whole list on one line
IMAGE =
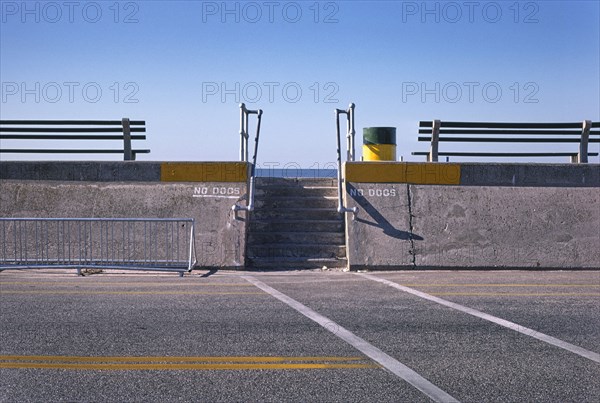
[(295, 224)]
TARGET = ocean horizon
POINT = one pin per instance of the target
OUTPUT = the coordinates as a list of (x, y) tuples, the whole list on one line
[(296, 173)]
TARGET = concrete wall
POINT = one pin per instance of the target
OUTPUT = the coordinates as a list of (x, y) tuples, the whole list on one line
[(473, 215), (412, 215), (203, 191)]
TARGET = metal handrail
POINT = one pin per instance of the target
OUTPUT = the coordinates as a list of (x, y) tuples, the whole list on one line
[(244, 136), (349, 153)]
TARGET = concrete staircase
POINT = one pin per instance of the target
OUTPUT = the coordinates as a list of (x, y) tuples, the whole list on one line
[(295, 225)]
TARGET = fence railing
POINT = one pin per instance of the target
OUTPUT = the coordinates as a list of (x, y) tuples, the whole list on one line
[(155, 244)]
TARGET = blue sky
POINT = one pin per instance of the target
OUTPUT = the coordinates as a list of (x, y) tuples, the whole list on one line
[(183, 66)]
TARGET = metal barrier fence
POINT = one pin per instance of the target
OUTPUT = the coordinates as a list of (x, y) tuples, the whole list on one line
[(159, 244)]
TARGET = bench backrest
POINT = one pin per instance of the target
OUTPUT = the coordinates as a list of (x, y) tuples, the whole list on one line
[(491, 132), (60, 130)]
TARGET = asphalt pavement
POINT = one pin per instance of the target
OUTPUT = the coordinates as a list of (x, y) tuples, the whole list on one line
[(467, 336)]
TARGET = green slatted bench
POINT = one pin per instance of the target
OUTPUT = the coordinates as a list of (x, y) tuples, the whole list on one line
[(63, 131), (437, 131)]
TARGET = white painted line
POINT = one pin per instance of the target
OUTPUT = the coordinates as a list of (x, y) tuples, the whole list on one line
[(386, 361), (216, 197), (510, 325)]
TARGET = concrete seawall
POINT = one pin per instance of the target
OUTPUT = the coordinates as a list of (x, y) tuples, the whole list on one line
[(473, 215), (411, 215), (202, 191)]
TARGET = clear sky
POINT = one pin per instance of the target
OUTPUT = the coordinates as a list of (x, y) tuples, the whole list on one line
[(184, 66)]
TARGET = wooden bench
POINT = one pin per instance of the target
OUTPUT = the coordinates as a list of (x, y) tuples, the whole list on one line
[(487, 132), (73, 130)]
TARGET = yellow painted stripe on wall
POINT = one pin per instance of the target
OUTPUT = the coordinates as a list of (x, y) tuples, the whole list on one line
[(203, 172), (418, 173)]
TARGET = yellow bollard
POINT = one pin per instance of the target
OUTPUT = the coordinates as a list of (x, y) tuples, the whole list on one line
[(379, 144)]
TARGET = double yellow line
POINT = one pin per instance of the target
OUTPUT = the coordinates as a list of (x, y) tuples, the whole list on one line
[(83, 292), (181, 363)]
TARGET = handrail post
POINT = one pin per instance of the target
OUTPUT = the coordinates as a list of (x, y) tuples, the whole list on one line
[(350, 135), (582, 157), (350, 120), (246, 135), (245, 113), (127, 153), (243, 134), (250, 206)]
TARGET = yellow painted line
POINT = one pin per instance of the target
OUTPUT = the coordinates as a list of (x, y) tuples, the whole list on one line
[(73, 292), (181, 363), (501, 285), (179, 367), (244, 359), (510, 294), (107, 284), (403, 172), (204, 172)]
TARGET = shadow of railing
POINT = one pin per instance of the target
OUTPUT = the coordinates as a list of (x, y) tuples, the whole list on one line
[(378, 219)]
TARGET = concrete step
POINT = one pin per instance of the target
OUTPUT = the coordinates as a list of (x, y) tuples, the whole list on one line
[(296, 182), (296, 263), (280, 202), (297, 226), (305, 238), (296, 214), (296, 250), (297, 192)]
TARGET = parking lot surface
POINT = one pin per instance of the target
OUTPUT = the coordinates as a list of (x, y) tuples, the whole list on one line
[(409, 336)]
